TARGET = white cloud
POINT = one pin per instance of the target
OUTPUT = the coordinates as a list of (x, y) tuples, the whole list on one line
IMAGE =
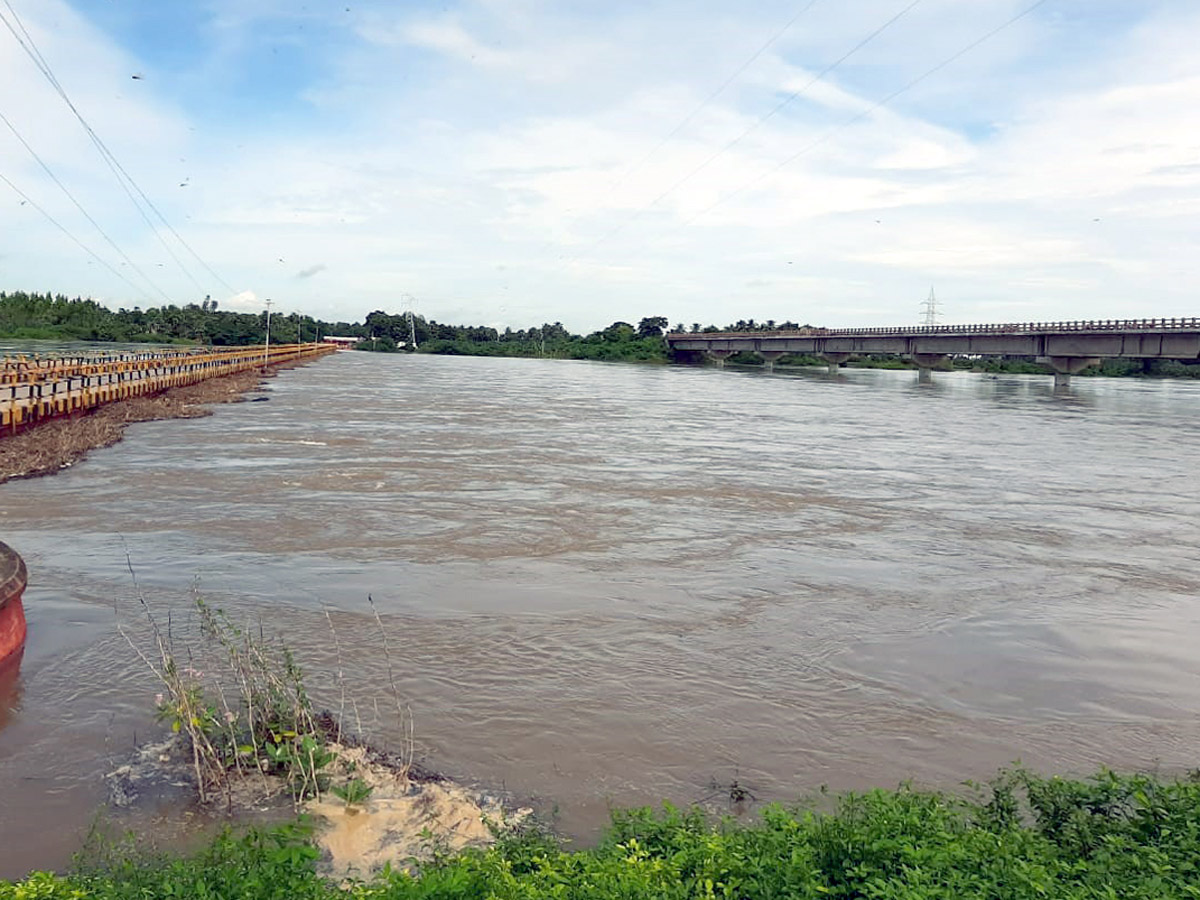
[(452, 39), (244, 301), (505, 161)]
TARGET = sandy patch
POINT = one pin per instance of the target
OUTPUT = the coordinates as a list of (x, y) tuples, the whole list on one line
[(402, 820)]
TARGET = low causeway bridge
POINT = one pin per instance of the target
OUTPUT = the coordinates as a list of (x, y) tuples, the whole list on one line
[(1067, 347), (37, 388)]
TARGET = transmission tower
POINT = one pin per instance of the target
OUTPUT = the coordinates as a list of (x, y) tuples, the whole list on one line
[(929, 309), (409, 302)]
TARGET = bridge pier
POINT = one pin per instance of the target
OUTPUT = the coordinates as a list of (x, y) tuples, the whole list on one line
[(925, 363), (834, 360), (1066, 366), (769, 357), (719, 356)]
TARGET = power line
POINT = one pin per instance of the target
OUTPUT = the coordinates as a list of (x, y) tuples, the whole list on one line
[(20, 193), (30, 47), (110, 160), (683, 123), (41, 162), (787, 100), (715, 94), (753, 127), (858, 117)]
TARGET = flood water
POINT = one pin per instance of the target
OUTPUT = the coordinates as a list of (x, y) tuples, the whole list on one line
[(613, 584)]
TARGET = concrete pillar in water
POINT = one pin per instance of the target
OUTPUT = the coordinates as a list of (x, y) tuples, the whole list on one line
[(925, 363), (719, 356), (1066, 366), (834, 360), (769, 357)]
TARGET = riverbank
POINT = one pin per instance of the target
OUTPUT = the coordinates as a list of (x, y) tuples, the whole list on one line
[(629, 348), (1020, 836), (57, 444)]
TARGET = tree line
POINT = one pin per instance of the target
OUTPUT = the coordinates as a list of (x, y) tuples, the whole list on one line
[(58, 317), (620, 340), (50, 316), (32, 316)]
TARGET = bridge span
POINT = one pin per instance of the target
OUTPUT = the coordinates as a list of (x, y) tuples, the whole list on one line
[(1067, 347)]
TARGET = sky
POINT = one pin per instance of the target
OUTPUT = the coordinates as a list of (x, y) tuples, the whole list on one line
[(513, 162)]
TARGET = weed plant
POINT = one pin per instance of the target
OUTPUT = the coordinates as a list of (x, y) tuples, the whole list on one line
[(254, 714), (238, 702), (354, 792)]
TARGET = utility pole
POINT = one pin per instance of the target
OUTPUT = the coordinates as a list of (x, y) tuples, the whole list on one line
[(267, 345)]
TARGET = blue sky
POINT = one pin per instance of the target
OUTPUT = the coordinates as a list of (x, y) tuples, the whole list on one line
[(517, 161)]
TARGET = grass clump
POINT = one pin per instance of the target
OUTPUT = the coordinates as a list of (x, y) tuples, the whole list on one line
[(251, 714), (238, 703), (1021, 836)]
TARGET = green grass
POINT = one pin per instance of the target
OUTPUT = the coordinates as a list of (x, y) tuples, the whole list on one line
[(1021, 836)]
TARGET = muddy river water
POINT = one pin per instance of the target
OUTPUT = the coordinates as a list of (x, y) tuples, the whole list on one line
[(614, 584)]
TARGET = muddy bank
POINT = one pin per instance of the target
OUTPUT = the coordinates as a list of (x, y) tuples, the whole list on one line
[(57, 444)]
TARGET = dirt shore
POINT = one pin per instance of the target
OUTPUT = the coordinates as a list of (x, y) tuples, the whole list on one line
[(56, 444)]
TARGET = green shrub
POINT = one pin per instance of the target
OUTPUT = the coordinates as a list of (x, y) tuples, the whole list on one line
[(1024, 836)]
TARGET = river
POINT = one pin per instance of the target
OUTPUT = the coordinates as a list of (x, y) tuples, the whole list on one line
[(616, 584)]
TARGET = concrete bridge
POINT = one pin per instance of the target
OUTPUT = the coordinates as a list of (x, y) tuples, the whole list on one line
[(1067, 347)]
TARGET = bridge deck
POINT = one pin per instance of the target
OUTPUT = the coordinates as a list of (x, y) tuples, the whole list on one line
[(1130, 338)]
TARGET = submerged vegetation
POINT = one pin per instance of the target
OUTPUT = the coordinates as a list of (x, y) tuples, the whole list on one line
[(1021, 836)]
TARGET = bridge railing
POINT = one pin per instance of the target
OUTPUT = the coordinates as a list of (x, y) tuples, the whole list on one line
[(20, 368), (1091, 325)]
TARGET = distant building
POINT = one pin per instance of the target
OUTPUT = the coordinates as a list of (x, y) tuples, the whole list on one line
[(346, 342)]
